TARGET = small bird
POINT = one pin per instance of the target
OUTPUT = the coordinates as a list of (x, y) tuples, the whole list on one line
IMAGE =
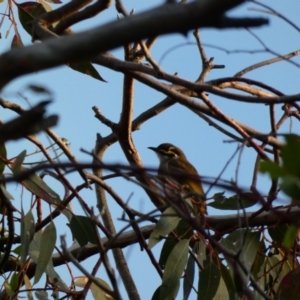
[(174, 164)]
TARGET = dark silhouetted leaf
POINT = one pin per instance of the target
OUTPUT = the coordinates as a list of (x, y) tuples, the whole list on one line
[(189, 277), (290, 157), (156, 294), (235, 202), (277, 232), (259, 259), (277, 267), (226, 276), (87, 68), (17, 41), (289, 172), (39, 89), (14, 281), (28, 11), (83, 230), (200, 249), (209, 280)]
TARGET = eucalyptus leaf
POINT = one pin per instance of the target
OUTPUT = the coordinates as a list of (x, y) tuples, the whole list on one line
[(209, 281), (46, 247), (167, 222), (174, 268)]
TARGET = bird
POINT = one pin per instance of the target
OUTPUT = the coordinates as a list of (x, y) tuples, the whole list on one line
[(175, 166)]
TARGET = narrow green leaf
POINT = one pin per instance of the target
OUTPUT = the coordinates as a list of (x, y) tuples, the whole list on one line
[(28, 287), (250, 246), (189, 276), (290, 236), (174, 268), (35, 250), (14, 281), (200, 249), (10, 292), (167, 222), (37, 185), (28, 12), (273, 269), (259, 259), (222, 292), (17, 164), (27, 233), (47, 244), (167, 248), (228, 282), (6, 193), (184, 231), (291, 161), (246, 243), (87, 68), (83, 230), (209, 280)]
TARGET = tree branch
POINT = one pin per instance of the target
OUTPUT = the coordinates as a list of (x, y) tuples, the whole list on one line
[(57, 51)]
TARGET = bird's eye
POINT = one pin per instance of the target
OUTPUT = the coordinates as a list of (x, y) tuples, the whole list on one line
[(172, 152)]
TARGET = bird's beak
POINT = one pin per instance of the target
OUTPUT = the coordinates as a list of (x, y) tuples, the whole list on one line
[(153, 149)]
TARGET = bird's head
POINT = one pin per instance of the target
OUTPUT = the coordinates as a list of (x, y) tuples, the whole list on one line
[(168, 151)]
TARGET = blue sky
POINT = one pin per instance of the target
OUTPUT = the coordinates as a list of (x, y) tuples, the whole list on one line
[(74, 94)]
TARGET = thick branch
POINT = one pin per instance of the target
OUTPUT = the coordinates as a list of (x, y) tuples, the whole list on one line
[(57, 51), (128, 238)]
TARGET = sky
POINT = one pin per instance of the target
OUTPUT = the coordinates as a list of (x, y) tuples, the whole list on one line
[(74, 94)]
